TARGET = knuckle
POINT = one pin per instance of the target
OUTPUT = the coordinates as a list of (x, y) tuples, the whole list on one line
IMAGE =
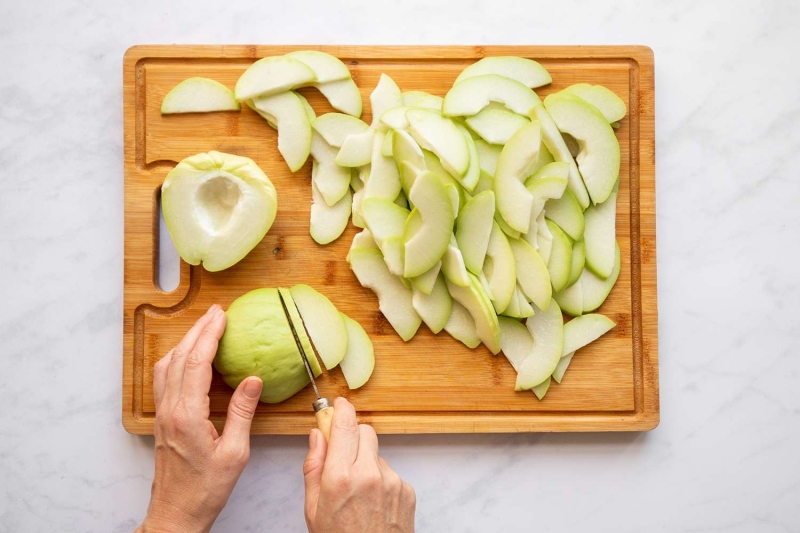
[(243, 456), (344, 419), (341, 481), (195, 361), (178, 352), (178, 419), (410, 494), (163, 418), (310, 465), (368, 479), (237, 455), (344, 425), (371, 480), (242, 409), (392, 481)]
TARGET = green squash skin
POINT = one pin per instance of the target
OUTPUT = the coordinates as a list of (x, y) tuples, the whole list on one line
[(259, 342)]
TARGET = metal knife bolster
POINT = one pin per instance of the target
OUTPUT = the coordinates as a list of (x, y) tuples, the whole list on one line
[(322, 403)]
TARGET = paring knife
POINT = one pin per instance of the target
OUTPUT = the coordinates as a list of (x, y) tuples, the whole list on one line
[(323, 408)]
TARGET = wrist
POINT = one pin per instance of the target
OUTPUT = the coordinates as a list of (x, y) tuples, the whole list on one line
[(163, 517)]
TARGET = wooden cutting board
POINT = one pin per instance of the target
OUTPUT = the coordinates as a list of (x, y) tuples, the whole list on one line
[(432, 384)]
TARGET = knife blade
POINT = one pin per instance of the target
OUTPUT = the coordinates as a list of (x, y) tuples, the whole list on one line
[(323, 408)]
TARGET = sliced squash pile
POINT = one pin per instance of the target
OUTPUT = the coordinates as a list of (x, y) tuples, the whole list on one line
[(478, 220)]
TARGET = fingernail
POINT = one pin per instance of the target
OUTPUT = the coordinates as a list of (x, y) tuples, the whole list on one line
[(312, 439), (252, 389), (212, 309), (218, 313)]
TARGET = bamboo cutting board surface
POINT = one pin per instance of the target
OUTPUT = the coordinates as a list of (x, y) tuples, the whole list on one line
[(432, 384)]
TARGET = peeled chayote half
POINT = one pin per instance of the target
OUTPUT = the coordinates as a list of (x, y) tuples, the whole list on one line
[(217, 208)]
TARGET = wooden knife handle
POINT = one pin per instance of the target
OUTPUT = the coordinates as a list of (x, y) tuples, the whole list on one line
[(324, 419)]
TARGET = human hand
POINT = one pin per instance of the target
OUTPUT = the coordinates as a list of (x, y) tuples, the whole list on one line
[(196, 468), (349, 487)]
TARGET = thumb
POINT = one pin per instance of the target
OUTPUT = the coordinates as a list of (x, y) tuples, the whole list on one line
[(312, 470), (240, 413)]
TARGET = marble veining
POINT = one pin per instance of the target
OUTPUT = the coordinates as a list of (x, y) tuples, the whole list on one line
[(725, 457)]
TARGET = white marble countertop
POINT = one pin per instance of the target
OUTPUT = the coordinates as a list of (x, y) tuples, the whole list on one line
[(725, 457)]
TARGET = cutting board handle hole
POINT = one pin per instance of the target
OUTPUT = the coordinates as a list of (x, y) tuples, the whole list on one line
[(168, 262)]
